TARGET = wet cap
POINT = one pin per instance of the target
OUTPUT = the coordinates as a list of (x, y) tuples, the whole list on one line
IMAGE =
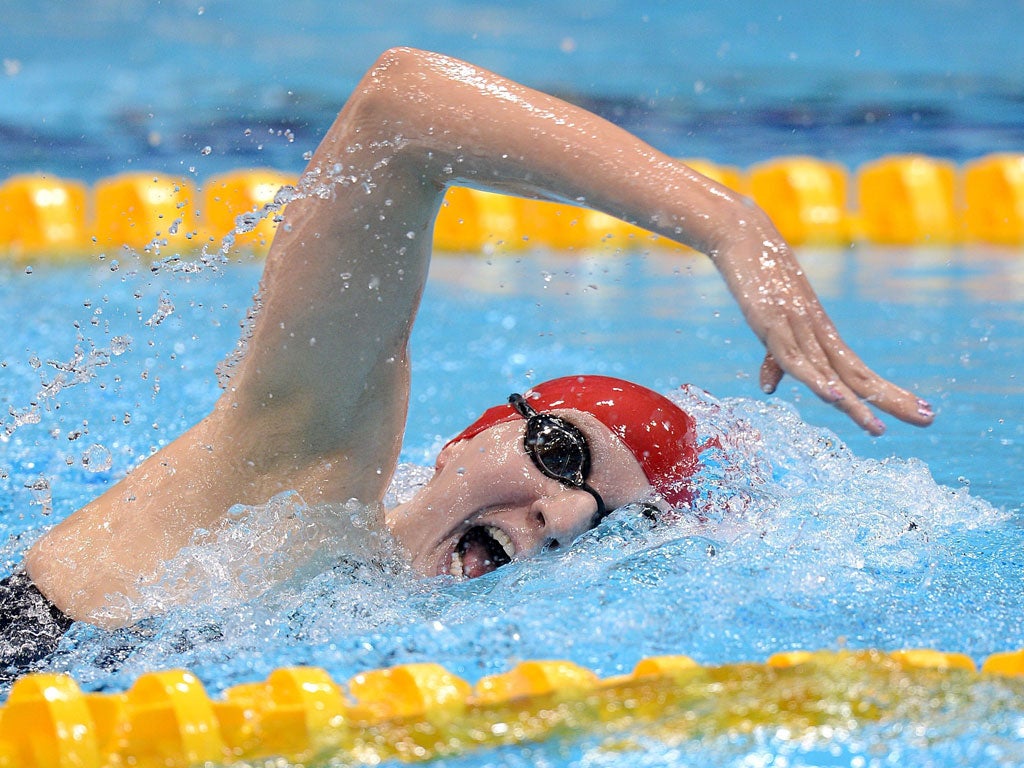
[(660, 434)]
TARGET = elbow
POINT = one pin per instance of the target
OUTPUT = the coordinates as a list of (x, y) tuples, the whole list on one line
[(390, 61), (385, 94), (393, 70), (401, 57), (382, 80)]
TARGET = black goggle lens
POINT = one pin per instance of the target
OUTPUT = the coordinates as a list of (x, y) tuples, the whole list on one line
[(558, 449)]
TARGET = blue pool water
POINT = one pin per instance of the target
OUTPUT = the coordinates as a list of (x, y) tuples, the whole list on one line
[(822, 537), (259, 82), (809, 541)]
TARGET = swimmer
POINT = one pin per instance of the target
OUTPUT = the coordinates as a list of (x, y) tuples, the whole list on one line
[(318, 403)]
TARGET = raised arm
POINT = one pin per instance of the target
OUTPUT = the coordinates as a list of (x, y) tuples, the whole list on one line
[(464, 124), (421, 121)]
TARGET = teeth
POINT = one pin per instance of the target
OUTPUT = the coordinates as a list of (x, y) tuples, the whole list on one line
[(498, 535), (456, 567), (502, 538)]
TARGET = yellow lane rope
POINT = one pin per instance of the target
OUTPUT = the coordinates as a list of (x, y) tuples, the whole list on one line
[(418, 712), (900, 199)]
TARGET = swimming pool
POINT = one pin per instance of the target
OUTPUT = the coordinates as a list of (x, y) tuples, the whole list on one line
[(812, 544)]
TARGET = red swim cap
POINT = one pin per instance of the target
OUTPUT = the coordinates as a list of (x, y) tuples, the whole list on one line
[(660, 434)]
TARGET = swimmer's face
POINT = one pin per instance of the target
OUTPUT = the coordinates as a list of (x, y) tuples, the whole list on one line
[(488, 503)]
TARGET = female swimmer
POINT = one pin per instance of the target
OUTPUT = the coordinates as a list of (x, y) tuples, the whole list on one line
[(318, 404)]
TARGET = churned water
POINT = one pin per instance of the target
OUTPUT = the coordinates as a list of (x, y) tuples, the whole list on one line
[(803, 537)]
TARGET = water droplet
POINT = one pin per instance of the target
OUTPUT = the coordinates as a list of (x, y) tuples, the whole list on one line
[(206, 150), (120, 344), (40, 488), (165, 308), (97, 458)]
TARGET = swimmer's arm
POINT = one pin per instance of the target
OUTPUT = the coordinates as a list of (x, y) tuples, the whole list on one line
[(316, 406), (469, 125)]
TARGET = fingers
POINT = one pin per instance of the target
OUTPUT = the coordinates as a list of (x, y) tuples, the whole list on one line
[(883, 394), (810, 350), (771, 374)]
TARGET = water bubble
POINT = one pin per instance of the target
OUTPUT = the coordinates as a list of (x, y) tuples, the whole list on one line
[(206, 150), (41, 494), (165, 308), (97, 458), (120, 344)]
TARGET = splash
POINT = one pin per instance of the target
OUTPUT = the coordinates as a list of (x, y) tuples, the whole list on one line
[(793, 542), (257, 547)]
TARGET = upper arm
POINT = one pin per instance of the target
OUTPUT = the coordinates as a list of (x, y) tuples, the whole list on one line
[(326, 371)]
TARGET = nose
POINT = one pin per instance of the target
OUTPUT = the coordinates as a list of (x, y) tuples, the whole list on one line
[(561, 518)]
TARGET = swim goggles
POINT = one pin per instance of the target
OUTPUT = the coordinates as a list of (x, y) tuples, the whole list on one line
[(558, 449)]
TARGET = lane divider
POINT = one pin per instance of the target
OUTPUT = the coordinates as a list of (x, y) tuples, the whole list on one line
[(417, 712), (900, 199)]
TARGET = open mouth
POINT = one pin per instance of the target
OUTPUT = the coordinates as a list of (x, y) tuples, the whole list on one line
[(482, 549)]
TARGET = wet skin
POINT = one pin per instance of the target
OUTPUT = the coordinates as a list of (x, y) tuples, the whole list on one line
[(489, 480)]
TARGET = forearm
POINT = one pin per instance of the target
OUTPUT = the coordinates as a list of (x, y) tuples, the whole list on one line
[(92, 564)]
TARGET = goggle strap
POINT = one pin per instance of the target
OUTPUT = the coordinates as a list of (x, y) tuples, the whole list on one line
[(522, 407)]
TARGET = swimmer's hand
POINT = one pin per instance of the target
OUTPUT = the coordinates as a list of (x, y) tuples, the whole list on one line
[(802, 341)]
